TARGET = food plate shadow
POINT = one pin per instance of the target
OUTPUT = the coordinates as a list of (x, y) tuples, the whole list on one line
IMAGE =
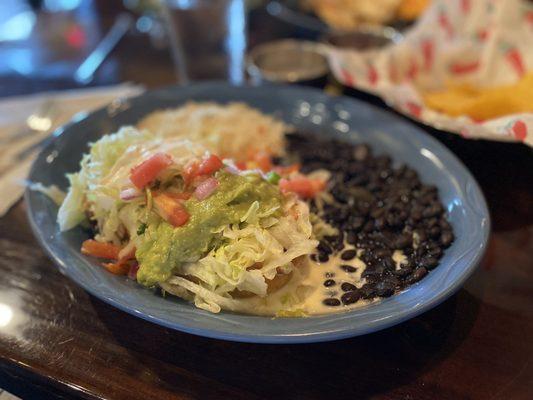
[(392, 357)]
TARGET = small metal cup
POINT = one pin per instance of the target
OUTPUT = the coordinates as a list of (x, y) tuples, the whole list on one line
[(288, 61), (364, 38)]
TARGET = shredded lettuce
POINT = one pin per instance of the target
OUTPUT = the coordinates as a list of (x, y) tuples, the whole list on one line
[(220, 256), (71, 212), (87, 191), (249, 255)]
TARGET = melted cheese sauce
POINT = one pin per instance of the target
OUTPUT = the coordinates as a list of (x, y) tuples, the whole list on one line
[(305, 292)]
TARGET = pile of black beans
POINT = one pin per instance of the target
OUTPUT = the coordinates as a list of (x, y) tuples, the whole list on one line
[(378, 208)]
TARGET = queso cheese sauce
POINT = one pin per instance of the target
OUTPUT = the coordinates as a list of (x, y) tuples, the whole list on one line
[(315, 284)]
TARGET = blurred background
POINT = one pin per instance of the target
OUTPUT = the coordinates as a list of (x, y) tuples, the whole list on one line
[(44, 43)]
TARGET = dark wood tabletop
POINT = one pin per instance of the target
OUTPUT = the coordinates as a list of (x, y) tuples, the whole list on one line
[(61, 342)]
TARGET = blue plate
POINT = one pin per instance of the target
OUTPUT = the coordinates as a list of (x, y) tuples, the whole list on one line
[(307, 109)]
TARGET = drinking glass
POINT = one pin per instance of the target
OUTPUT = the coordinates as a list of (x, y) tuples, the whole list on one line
[(207, 38)]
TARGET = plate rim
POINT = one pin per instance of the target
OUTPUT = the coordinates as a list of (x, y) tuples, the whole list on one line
[(280, 338)]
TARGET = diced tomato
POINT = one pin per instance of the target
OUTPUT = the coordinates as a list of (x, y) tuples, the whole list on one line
[(93, 248), (122, 266), (304, 187), (241, 165), (210, 165), (171, 210), (147, 171), (179, 196), (286, 170), (190, 172), (263, 161), (118, 268)]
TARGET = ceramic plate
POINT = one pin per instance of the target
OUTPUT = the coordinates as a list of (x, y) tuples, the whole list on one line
[(308, 109)]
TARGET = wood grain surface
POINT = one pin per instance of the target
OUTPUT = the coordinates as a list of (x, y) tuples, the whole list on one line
[(63, 343)]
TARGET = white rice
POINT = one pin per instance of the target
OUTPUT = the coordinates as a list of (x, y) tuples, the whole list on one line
[(230, 131)]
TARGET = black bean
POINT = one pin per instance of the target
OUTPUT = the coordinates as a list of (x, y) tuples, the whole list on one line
[(324, 248), (431, 223), (354, 169), (379, 223), (348, 254), (377, 212), (314, 257), (394, 220), (378, 207), (332, 302), (356, 223), (330, 274), (385, 288), (428, 262), (432, 211), (329, 282), (434, 232), (445, 225), (367, 291), (422, 235), (351, 297), (416, 214), (403, 241), (403, 271), (388, 264), (363, 208), (346, 287), (358, 180), (369, 226), (373, 271), (435, 251), (323, 258), (348, 268), (446, 238), (382, 253), (351, 237), (417, 275)]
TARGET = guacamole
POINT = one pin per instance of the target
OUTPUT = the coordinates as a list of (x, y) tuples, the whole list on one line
[(163, 247)]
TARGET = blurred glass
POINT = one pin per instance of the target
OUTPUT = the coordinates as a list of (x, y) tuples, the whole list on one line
[(207, 38)]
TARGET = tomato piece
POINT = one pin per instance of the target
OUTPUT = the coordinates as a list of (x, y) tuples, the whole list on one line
[(118, 268), (190, 172), (147, 171), (241, 165), (179, 196), (171, 210), (286, 170), (210, 165), (93, 248), (304, 187), (263, 161)]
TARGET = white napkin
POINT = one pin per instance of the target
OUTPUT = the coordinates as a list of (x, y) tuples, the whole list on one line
[(13, 114)]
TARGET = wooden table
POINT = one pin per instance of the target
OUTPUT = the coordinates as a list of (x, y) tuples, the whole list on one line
[(63, 343)]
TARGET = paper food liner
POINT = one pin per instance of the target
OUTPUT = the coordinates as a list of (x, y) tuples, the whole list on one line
[(479, 42)]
